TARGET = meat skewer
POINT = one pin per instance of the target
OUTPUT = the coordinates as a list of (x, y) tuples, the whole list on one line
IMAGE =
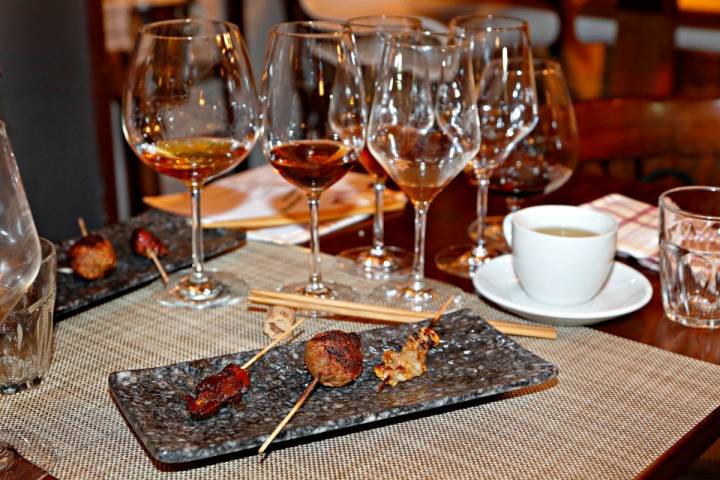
[(409, 363), (92, 256), (333, 359), (228, 385), (148, 245)]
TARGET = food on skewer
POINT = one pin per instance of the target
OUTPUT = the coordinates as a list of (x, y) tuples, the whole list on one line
[(227, 386), (409, 362), (93, 256), (145, 244), (148, 245), (217, 390), (334, 359)]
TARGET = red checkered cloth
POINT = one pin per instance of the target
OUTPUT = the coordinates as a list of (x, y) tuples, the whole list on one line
[(639, 227)]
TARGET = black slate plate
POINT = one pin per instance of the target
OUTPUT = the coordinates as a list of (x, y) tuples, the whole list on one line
[(473, 361), (75, 294)]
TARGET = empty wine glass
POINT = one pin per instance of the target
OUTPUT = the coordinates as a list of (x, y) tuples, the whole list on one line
[(190, 111), (502, 59), (424, 128), (314, 120), (378, 261), (19, 243)]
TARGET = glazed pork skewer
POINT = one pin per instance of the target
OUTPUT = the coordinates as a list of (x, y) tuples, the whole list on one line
[(228, 385), (148, 245)]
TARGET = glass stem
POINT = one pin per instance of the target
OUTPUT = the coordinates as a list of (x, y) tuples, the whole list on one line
[(483, 179), (378, 248), (513, 204), (198, 269), (315, 281), (418, 275)]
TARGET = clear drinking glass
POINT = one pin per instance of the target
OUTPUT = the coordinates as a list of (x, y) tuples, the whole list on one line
[(424, 128), (190, 111), (314, 120), (544, 160), (690, 255), (19, 245), (507, 101), (26, 335), (378, 261)]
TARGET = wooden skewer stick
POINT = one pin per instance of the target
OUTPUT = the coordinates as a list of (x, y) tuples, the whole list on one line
[(163, 274), (295, 408), (279, 339), (83, 227), (442, 309), (384, 314)]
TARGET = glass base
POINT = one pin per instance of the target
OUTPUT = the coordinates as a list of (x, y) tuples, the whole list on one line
[(707, 323), (17, 387), (426, 299), (34, 448), (493, 232), (459, 260), (328, 290), (395, 263), (220, 289)]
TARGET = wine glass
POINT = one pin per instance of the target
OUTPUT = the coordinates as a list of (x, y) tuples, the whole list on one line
[(19, 242), (378, 261), (545, 160), (190, 111), (424, 128), (314, 120), (502, 58)]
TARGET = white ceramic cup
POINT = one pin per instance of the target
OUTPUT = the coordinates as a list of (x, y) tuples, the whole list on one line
[(557, 270)]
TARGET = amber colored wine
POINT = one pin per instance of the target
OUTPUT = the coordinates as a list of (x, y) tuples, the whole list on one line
[(422, 164), (193, 159), (376, 171), (312, 165)]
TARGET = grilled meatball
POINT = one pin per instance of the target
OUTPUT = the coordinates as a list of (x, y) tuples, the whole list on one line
[(92, 257), (143, 241), (335, 358)]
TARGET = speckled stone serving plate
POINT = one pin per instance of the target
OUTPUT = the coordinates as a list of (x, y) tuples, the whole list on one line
[(473, 361), (75, 294)]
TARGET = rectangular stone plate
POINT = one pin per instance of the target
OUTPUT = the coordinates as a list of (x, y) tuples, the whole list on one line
[(75, 294), (473, 361)]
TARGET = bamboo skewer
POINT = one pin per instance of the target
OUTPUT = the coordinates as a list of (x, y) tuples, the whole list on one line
[(295, 408), (163, 274), (83, 227), (315, 302), (279, 339), (441, 310), (384, 314)]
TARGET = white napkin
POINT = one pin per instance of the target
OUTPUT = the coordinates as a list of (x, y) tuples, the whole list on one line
[(250, 199), (638, 227)]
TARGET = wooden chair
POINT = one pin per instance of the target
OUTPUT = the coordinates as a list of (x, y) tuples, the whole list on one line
[(651, 139)]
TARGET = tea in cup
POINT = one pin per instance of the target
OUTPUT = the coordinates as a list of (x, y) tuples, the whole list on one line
[(562, 255)]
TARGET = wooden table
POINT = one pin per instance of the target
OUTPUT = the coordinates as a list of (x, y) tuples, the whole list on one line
[(454, 209)]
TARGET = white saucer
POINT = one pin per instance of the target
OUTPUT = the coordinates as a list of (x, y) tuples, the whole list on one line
[(625, 291)]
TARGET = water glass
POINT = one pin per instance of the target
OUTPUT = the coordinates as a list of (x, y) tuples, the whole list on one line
[(690, 255), (26, 333)]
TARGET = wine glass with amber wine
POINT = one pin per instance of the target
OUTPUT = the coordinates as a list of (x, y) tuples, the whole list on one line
[(423, 129), (377, 261), (190, 111), (313, 120)]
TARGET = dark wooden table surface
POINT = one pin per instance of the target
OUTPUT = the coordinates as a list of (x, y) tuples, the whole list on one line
[(454, 209)]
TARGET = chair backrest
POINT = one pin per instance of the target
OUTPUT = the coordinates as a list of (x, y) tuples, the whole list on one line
[(683, 132)]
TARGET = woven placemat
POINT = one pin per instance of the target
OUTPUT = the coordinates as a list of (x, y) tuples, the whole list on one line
[(617, 404)]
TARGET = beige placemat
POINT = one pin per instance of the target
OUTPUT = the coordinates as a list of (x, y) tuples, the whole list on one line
[(616, 406)]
